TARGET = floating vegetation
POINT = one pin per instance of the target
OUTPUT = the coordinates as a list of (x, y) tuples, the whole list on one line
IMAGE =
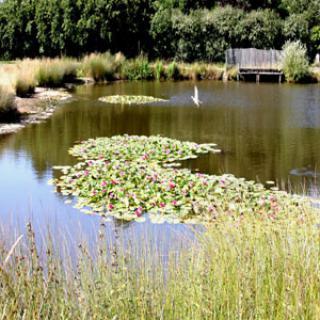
[(124, 177), (134, 148), (124, 99)]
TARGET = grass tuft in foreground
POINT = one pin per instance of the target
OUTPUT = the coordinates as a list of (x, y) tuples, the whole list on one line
[(240, 269)]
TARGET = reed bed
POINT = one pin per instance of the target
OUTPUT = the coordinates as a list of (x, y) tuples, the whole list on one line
[(239, 269), (7, 92), (25, 75), (56, 72), (102, 67)]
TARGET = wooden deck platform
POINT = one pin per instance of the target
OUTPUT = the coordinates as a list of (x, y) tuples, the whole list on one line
[(242, 72), (255, 62)]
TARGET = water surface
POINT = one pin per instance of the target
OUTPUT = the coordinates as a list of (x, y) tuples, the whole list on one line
[(265, 132)]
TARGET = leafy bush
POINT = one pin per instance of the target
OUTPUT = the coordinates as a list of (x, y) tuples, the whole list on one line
[(295, 62), (261, 29)]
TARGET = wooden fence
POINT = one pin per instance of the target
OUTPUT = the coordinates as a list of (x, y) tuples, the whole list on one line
[(254, 59)]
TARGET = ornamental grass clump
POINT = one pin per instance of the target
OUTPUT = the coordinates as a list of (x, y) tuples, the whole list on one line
[(127, 176), (295, 62), (7, 105), (103, 66), (56, 72), (26, 77)]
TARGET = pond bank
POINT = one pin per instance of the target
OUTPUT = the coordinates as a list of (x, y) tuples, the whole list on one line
[(34, 109)]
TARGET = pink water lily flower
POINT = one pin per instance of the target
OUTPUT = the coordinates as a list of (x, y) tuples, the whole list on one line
[(103, 184), (174, 202), (110, 206), (172, 185), (138, 212)]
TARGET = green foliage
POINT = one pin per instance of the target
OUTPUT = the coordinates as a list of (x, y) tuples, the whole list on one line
[(295, 62), (168, 29), (172, 71), (261, 29), (137, 69), (159, 70), (315, 37), (296, 27)]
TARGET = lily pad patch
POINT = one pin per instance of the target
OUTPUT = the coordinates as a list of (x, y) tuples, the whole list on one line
[(127, 99), (125, 177)]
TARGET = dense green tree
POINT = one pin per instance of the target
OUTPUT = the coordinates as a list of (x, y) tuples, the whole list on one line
[(172, 29), (261, 29)]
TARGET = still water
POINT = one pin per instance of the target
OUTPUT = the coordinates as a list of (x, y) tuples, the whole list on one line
[(265, 132)]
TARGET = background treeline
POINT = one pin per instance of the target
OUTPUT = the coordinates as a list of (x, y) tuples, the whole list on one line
[(185, 30)]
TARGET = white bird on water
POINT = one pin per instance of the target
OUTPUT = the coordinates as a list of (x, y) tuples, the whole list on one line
[(195, 98)]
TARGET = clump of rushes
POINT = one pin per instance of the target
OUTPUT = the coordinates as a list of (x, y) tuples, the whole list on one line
[(7, 105), (172, 71), (26, 81), (56, 72), (137, 69), (201, 71), (103, 67), (159, 70), (126, 176), (212, 72)]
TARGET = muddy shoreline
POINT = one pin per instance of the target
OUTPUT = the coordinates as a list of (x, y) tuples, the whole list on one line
[(34, 109)]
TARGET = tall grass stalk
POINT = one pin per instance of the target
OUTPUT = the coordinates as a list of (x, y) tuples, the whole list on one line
[(246, 269)]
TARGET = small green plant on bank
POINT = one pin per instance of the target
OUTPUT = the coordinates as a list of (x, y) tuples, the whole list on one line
[(295, 62), (172, 71), (159, 70), (137, 69)]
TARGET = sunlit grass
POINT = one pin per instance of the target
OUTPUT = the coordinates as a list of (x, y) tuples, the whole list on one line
[(237, 269), (56, 72), (102, 67), (6, 99)]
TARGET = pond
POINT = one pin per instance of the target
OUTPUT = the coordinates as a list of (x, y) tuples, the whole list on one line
[(266, 132)]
